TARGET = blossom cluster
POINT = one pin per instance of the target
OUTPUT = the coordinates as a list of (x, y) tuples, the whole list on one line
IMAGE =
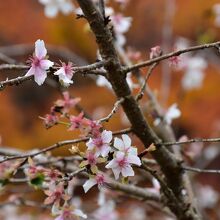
[(40, 65)]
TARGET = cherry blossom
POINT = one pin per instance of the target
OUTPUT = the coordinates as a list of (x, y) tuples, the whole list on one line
[(50, 120), (99, 179), (124, 145), (93, 127), (65, 74), (39, 63), (76, 121), (52, 7), (91, 158), (172, 113), (155, 52), (106, 211), (101, 144), (67, 102), (55, 194), (194, 74), (121, 25), (67, 213), (216, 9), (122, 164)]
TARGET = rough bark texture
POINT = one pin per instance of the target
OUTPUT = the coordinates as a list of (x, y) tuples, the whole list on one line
[(170, 165)]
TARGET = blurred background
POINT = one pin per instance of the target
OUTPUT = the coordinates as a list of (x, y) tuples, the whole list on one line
[(167, 23)]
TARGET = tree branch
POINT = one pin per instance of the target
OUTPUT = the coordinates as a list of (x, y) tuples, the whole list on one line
[(172, 54)]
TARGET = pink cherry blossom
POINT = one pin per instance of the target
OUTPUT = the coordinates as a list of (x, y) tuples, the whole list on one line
[(122, 164), (98, 179), (66, 103), (65, 74), (76, 121), (155, 52), (93, 127), (39, 63), (50, 120), (55, 194), (101, 144)]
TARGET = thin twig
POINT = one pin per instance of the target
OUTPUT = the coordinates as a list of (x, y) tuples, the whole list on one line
[(193, 169), (143, 87), (172, 54), (194, 140), (56, 146), (113, 111)]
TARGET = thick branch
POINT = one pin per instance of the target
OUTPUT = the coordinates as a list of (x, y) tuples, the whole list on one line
[(116, 75)]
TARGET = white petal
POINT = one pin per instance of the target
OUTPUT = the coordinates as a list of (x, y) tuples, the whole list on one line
[(105, 150), (127, 140), (133, 151), (112, 164), (134, 160), (106, 136), (51, 10), (40, 50), (40, 76), (90, 144), (46, 64), (66, 7), (127, 171), (119, 144), (60, 71), (30, 72), (116, 172), (89, 184), (79, 213)]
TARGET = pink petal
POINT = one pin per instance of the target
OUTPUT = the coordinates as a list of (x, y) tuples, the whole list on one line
[(40, 50), (46, 64), (40, 76), (89, 184), (30, 72)]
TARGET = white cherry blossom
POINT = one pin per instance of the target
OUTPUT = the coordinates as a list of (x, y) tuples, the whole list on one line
[(52, 7), (39, 63), (101, 144)]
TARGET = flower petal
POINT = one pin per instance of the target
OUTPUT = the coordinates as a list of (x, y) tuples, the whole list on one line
[(126, 140), (119, 144), (89, 184), (40, 76), (46, 64), (79, 213), (30, 72), (105, 150), (127, 171), (116, 172), (134, 160), (40, 50), (106, 136)]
